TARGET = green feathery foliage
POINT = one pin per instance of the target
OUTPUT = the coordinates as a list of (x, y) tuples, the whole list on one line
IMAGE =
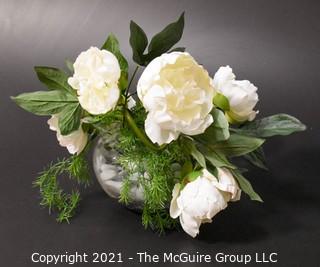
[(102, 122), (52, 195), (125, 191), (156, 170)]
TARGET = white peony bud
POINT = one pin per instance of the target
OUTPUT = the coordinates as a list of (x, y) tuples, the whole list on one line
[(177, 94), (75, 142), (200, 200), (96, 75), (242, 95)]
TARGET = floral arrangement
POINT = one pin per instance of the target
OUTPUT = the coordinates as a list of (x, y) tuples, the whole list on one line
[(179, 131)]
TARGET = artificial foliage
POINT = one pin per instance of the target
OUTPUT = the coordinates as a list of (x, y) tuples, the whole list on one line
[(165, 169), (52, 195)]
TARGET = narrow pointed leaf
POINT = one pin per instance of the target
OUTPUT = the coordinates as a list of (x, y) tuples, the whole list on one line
[(138, 41), (54, 78), (246, 186), (280, 124), (195, 153), (218, 160), (257, 158), (166, 39), (237, 145)]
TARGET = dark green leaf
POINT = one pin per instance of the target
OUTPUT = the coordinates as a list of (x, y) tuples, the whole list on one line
[(257, 158), (215, 158), (237, 145), (45, 102), (69, 118), (195, 153), (218, 160), (167, 38), (112, 45), (54, 79), (178, 49), (138, 41), (280, 124), (246, 186), (218, 130)]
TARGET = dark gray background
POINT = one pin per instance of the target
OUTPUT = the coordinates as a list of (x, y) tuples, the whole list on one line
[(275, 44)]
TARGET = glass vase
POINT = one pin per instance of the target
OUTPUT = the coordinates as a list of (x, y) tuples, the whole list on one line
[(111, 175)]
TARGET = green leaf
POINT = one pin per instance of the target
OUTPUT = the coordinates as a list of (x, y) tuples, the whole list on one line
[(160, 43), (257, 158), (217, 159), (69, 118), (220, 120), (221, 102), (138, 41), (280, 124), (218, 130), (166, 39), (112, 45), (178, 49), (69, 65), (246, 186), (44, 102), (54, 79), (237, 145), (195, 153)]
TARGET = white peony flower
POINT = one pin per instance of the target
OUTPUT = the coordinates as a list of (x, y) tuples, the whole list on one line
[(200, 200), (242, 95), (96, 75), (177, 94), (75, 142)]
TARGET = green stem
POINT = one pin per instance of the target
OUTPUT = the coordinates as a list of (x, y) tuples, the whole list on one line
[(130, 82), (127, 92), (140, 134)]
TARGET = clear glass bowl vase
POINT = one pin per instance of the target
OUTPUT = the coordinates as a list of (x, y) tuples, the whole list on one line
[(111, 175)]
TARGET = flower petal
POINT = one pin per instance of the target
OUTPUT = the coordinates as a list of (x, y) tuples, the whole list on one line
[(75, 142), (190, 224), (174, 209)]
